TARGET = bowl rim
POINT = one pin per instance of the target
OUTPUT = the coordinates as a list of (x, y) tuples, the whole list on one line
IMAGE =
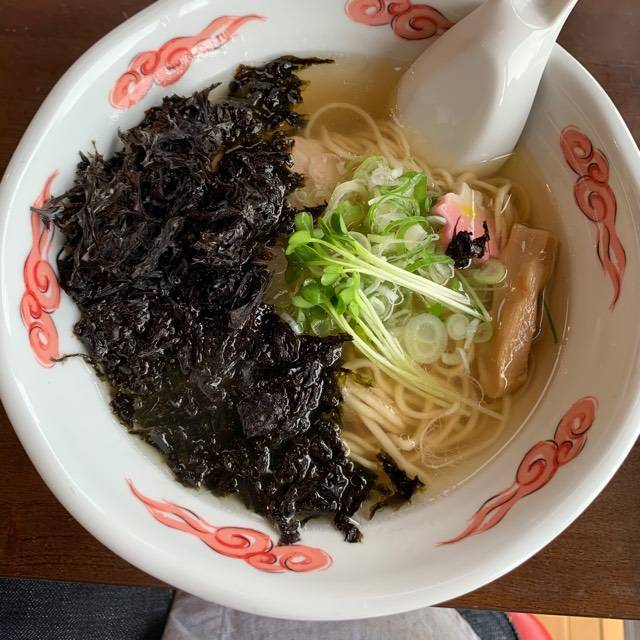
[(122, 542)]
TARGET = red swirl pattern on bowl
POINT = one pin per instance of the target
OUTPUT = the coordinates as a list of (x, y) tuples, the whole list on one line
[(254, 547), (41, 295), (408, 20), (537, 468), (597, 201), (170, 62)]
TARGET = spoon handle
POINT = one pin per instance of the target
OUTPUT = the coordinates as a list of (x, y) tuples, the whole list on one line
[(543, 14)]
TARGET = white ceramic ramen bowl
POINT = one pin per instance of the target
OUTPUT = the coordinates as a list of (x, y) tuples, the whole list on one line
[(542, 480)]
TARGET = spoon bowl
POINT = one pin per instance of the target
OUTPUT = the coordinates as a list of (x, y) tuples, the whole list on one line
[(496, 57)]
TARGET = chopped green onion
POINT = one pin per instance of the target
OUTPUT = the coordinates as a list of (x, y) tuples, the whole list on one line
[(457, 326), (484, 333), (492, 272), (425, 338), (451, 358), (472, 330)]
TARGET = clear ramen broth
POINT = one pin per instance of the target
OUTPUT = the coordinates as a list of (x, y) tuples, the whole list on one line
[(370, 83)]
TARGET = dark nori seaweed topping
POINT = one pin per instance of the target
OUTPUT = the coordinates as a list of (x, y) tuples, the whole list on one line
[(403, 486), (463, 247), (164, 250)]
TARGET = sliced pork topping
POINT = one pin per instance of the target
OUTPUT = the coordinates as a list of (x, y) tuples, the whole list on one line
[(321, 170), (503, 362)]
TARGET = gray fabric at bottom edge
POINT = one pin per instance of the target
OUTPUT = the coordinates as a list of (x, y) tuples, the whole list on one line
[(49, 610), (195, 619)]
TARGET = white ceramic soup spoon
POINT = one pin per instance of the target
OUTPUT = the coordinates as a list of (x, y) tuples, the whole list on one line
[(467, 98)]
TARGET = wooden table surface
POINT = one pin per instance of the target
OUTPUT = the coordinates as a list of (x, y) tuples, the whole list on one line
[(593, 569)]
